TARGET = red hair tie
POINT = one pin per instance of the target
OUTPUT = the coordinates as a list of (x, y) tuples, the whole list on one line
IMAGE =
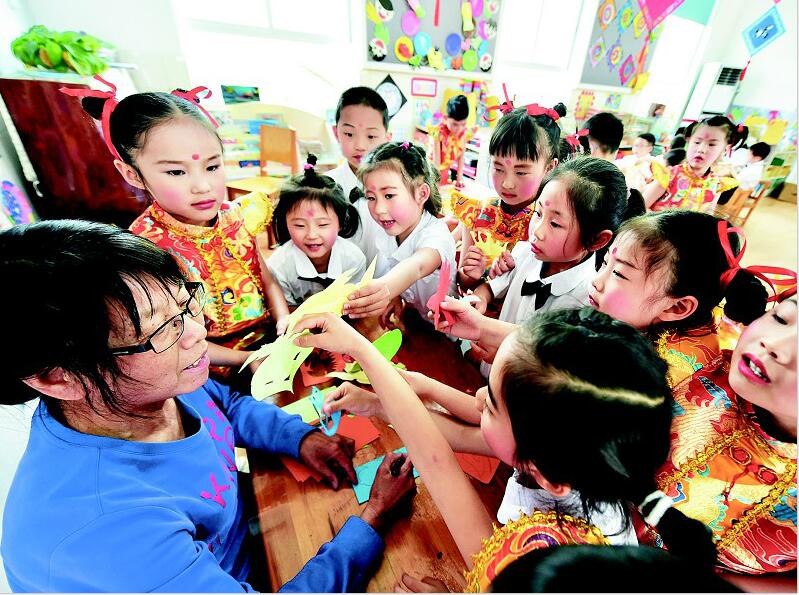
[(740, 128), (194, 96), (111, 102), (506, 106), (761, 271), (536, 110), (574, 139)]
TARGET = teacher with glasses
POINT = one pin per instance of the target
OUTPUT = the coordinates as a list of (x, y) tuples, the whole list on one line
[(128, 482)]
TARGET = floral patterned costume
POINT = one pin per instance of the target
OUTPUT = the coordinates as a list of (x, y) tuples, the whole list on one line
[(727, 472), (686, 190), (490, 217), (225, 258), (452, 145), (687, 352)]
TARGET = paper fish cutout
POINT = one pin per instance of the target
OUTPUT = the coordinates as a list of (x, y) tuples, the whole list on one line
[(489, 245), (277, 373), (366, 476), (434, 303), (332, 298), (388, 344), (329, 423)]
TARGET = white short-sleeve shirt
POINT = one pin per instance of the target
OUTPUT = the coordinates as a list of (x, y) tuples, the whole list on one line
[(292, 268), (430, 232)]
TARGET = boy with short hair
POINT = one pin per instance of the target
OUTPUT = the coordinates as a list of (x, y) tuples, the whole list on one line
[(605, 132), (450, 138), (361, 127), (643, 145), (750, 175)]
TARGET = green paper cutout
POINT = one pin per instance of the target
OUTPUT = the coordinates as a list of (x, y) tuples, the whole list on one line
[(277, 374), (381, 32), (388, 344)]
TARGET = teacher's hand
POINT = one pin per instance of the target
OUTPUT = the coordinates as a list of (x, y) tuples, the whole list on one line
[(392, 491), (330, 457)]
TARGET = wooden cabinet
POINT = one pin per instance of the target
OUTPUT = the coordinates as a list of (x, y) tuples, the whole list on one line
[(76, 173)]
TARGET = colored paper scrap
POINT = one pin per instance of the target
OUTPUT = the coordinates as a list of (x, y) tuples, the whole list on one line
[(329, 361), (329, 423), (366, 476), (480, 467), (434, 303), (304, 408), (299, 471), (388, 344)]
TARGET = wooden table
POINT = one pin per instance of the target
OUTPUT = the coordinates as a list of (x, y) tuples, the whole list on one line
[(297, 518)]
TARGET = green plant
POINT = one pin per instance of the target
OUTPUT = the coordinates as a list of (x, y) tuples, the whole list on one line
[(39, 47)]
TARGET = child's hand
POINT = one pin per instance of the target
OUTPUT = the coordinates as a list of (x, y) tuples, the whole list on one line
[(473, 263), (354, 399), (459, 184), (467, 323), (419, 383), (502, 265), (281, 325), (369, 300), (475, 301), (330, 333), (483, 352), (392, 314)]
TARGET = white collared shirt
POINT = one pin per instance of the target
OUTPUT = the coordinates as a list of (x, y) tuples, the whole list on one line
[(570, 288), (430, 232), (288, 263)]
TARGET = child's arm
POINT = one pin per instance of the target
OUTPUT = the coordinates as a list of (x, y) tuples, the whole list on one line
[(459, 176), (652, 192), (452, 492), (458, 403), (374, 298), (437, 154)]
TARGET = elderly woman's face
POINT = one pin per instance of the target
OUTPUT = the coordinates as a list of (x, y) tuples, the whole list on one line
[(180, 369)]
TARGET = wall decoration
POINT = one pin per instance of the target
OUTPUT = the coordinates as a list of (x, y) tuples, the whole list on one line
[(656, 10), (424, 87), (623, 45), (15, 206), (584, 102), (775, 127), (461, 35), (391, 94), (239, 94), (763, 31), (613, 101)]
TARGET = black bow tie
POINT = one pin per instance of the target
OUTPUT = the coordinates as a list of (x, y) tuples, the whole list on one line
[(540, 290), (323, 281)]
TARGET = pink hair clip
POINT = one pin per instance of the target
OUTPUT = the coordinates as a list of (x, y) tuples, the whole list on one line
[(307, 166), (111, 102), (194, 96), (405, 146)]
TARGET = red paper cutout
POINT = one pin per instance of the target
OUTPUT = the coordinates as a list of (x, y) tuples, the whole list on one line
[(331, 362), (480, 467), (299, 471), (434, 303)]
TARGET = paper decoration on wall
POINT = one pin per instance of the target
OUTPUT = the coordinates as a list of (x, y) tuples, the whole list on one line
[(366, 476), (239, 94), (763, 31), (655, 11), (607, 12), (464, 33), (614, 54), (391, 94), (766, 124), (596, 51), (15, 205), (627, 70), (625, 16), (639, 25), (613, 101), (584, 102)]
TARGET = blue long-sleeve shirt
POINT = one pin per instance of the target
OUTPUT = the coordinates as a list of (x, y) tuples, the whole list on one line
[(92, 513)]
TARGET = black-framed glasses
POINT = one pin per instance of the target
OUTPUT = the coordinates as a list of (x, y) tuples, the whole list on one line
[(166, 335)]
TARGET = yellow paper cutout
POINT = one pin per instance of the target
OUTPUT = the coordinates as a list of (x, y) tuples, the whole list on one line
[(660, 174), (332, 298), (304, 408), (774, 131), (489, 245), (256, 210), (277, 373)]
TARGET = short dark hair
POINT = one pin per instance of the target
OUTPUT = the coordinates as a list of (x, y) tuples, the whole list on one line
[(675, 156), (761, 150), (527, 137), (458, 108), (363, 96), (76, 273), (314, 187), (678, 142), (648, 137), (688, 243), (138, 114), (607, 130)]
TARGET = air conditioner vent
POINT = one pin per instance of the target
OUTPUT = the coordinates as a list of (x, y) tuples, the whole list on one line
[(729, 76)]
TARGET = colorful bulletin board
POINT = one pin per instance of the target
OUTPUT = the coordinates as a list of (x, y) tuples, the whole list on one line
[(621, 46), (775, 127), (442, 34)]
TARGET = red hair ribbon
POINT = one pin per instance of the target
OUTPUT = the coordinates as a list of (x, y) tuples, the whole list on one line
[(506, 106), (111, 102), (194, 96), (740, 128), (536, 110), (574, 139), (766, 273), (689, 120)]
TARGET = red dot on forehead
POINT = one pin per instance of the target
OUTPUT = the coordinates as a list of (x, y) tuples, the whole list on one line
[(613, 252), (546, 203), (309, 213), (195, 156), (508, 162)]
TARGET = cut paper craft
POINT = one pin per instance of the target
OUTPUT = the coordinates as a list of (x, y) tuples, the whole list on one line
[(596, 51), (360, 429), (477, 8), (277, 373), (434, 303), (417, 8), (381, 32), (422, 43), (763, 31), (329, 423), (403, 48), (329, 361), (614, 54), (410, 23), (332, 298), (639, 25), (627, 70), (480, 467), (304, 408), (656, 10), (453, 44), (388, 344), (489, 245), (466, 15), (606, 13), (469, 60), (366, 476)]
